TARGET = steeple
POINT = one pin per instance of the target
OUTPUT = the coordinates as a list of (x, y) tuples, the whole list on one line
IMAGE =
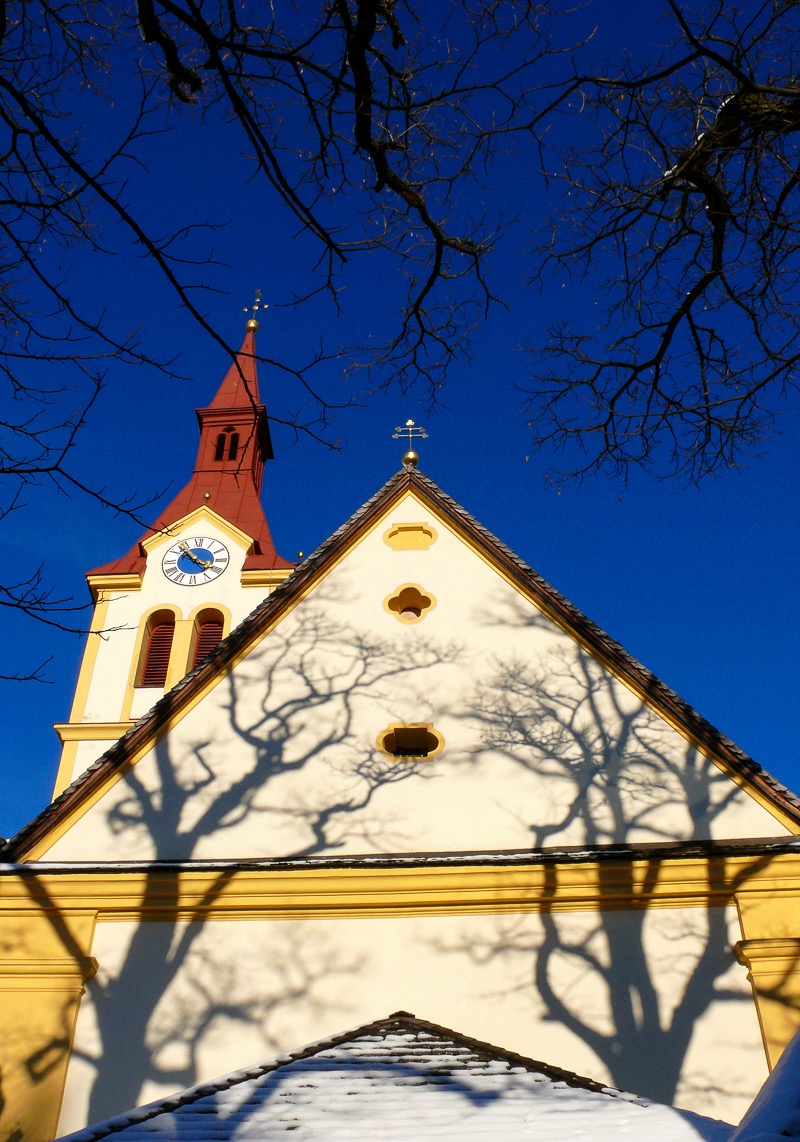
[(234, 432), (229, 469), (187, 582)]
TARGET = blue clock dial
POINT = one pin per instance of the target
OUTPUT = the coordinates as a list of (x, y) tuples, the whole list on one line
[(196, 557), (191, 562)]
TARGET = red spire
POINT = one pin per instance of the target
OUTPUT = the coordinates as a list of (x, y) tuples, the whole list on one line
[(229, 470), (240, 387)]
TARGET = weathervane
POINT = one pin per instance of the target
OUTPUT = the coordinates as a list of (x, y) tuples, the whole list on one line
[(253, 310), (412, 431)]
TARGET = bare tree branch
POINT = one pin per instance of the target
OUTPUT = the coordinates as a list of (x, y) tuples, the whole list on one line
[(681, 210)]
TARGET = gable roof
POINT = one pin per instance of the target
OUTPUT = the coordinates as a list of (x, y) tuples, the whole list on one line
[(560, 610), (375, 1080)]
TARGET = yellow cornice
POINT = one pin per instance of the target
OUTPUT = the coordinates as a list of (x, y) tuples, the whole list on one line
[(91, 731), (225, 892), (265, 577), (46, 974), (780, 956), (201, 515), (129, 581)]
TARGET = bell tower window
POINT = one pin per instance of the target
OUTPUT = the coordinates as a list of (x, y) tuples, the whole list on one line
[(227, 445), (207, 635), (154, 662)]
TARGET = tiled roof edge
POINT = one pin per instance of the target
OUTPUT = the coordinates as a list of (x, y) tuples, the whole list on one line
[(607, 649), (644, 679), (400, 1021), (163, 711), (494, 858)]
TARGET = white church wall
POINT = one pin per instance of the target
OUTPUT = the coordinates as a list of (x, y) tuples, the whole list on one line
[(645, 1001), (542, 745)]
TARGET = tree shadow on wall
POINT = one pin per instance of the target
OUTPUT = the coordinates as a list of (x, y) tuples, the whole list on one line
[(291, 764), (630, 982)]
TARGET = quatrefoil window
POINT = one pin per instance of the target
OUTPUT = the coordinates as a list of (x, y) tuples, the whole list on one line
[(409, 603)]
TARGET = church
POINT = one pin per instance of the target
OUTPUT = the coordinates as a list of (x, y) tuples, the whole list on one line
[(403, 786)]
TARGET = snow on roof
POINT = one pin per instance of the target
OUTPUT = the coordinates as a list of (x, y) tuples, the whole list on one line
[(399, 1078)]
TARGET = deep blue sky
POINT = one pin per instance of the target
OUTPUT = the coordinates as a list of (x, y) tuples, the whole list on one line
[(699, 584)]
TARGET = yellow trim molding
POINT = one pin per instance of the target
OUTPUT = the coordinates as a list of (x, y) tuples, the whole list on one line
[(265, 577), (201, 515), (774, 972), (43, 968), (71, 734), (430, 889), (119, 584), (92, 731), (98, 625), (406, 599), (410, 536)]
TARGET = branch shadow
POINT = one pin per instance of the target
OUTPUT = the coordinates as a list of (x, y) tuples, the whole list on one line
[(630, 982), (165, 992)]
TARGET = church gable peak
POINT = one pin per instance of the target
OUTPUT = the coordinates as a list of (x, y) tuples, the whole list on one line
[(382, 676)]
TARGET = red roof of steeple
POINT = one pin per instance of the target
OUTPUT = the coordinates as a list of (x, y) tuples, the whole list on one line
[(228, 472), (240, 387)]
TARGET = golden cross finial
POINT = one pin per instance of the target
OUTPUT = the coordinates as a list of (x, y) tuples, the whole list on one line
[(253, 310), (412, 431)]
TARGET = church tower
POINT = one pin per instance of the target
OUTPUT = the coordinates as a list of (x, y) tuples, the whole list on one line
[(186, 583)]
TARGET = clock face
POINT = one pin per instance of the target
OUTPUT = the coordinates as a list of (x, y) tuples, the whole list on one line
[(194, 561)]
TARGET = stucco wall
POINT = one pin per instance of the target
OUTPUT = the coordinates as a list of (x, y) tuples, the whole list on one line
[(542, 746), (651, 1002)]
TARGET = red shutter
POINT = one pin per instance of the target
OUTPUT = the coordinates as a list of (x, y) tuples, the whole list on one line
[(209, 634), (156, 662)]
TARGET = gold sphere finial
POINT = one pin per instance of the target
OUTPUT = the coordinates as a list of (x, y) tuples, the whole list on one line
[(252, 323), (412, 431)]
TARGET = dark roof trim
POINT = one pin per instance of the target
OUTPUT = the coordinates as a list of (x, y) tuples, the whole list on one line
[(492, 858), (610, 653), (659, 696)]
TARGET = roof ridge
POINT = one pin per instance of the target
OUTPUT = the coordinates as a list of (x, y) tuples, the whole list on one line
[(387, 1025)]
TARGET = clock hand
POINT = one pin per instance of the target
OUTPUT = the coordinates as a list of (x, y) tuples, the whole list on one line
[(204, 563)]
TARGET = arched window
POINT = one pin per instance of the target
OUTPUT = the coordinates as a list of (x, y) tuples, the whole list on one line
[(227, 445), (154, 662), (209, 633)]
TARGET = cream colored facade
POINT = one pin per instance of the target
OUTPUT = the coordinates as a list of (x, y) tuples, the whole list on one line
[(542, 745), (248, 990), (560, 872)]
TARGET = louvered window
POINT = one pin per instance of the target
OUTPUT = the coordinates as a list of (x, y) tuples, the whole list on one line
[(209, 634), (156, 657)]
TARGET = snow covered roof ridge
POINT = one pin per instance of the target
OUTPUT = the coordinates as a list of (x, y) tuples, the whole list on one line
[(339, 1087)]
